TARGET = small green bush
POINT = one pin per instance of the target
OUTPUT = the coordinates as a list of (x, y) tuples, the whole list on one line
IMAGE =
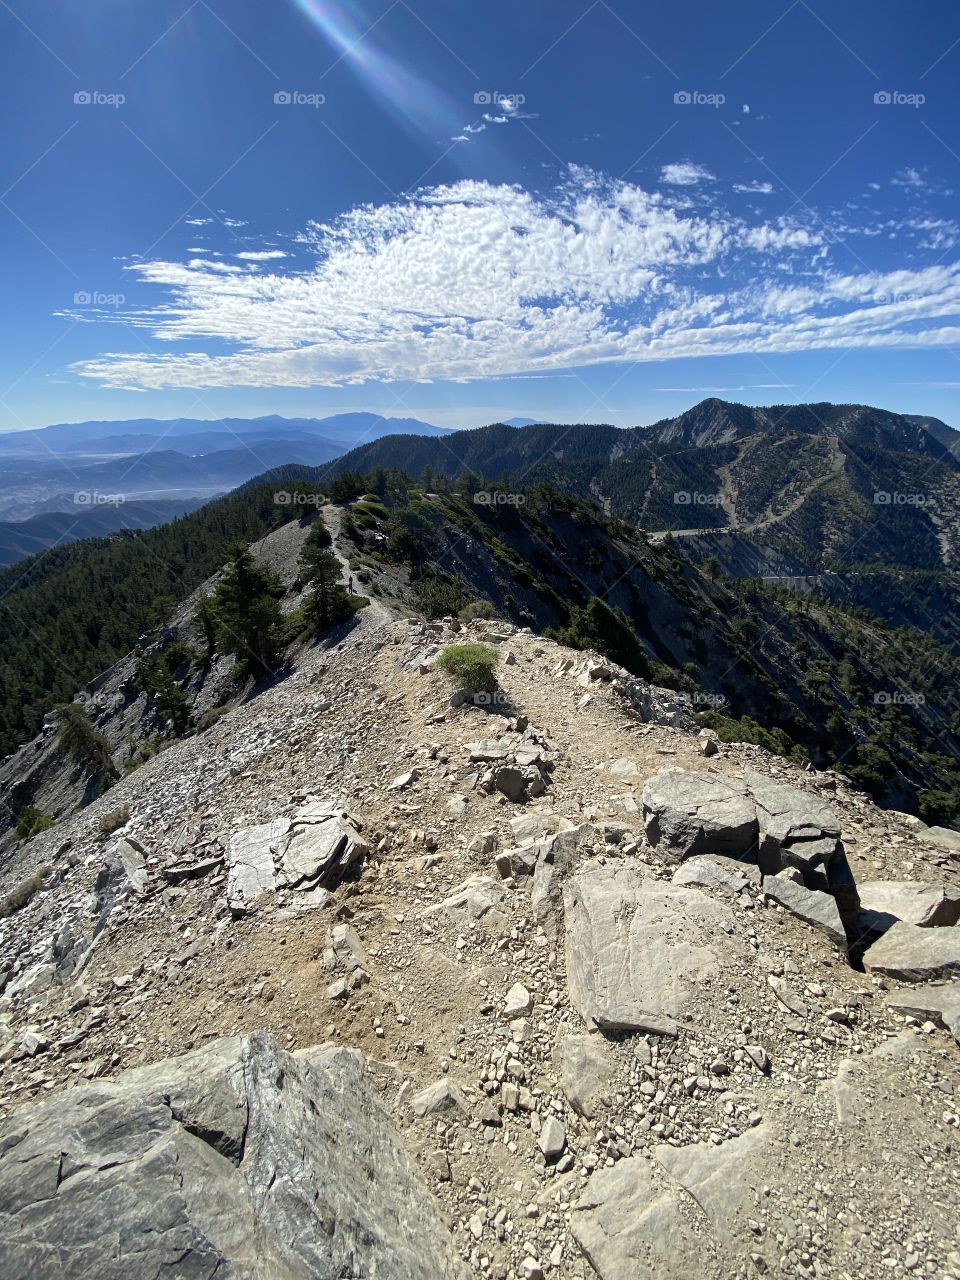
[(476, 609), (30, 822), (472, 664)]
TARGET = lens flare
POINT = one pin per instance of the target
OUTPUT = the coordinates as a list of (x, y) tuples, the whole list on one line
[(410, 98)]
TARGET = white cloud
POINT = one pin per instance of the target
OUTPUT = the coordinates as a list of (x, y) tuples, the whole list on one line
[(260, 255), (684, 173), (476, 280), (754, 188), (909, 177)]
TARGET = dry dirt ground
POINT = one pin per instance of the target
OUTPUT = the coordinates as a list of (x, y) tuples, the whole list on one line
[(860, 1176)]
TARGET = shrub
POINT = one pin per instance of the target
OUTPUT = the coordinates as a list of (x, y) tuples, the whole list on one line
[(472, 664), (30, 822), (22, 892), (80, 740), (440, 595), (476, 609)]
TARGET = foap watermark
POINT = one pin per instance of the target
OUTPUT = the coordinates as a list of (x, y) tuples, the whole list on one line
[(495, 498), (891, 299), (697, 98), (885, 498), (286, 498), (895, 98), (686, 498), (898, 698), (713, 700), (93, 498), (484, 98), (94, 298), (493, 698), (96, 98), (297, 98)]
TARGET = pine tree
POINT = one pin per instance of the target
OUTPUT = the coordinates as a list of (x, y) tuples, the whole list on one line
[(329, 602), (247, 612)]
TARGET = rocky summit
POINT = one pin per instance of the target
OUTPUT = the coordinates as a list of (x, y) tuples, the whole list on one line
[(375, 978)]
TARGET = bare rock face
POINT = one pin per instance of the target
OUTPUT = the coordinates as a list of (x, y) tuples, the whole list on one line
[(636, 949), (236, 1160), (688, 813), (915, 953)]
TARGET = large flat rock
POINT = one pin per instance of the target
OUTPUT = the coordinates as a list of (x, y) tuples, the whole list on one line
[(688, 813), (633, 1219), (238, 1160), (314, 848), (915, 953), (911, 901), (637, 951), (930, 1003), (249, 858)]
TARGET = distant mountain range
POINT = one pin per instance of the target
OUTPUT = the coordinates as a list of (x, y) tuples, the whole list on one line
[(138, 435), (72, 467)]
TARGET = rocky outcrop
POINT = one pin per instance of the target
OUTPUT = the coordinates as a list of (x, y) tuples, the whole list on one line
[(238, 1159), (313, 850), (930, 905)]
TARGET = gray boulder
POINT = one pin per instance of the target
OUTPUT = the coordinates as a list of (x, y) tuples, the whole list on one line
[(915, 953), (939, 1004), (911, 901), (637, 951), (314, 849), (236, 1160), (688, 813), (796, 829), (811, 906), (945, 836)]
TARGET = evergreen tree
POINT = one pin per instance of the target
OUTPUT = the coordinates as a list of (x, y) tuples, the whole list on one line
[(247, 612), (329, 602), (81, 741)]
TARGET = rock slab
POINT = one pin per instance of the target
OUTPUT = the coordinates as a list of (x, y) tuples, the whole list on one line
[(914, 953), (238, 1160), (636, 950)]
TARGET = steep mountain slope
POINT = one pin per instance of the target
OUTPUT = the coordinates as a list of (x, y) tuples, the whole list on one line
[(823, 681), (835, 486), (68, 613), (590, 1048), (22, 538)]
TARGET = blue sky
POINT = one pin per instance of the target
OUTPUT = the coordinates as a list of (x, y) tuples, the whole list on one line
[(569, 210)]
